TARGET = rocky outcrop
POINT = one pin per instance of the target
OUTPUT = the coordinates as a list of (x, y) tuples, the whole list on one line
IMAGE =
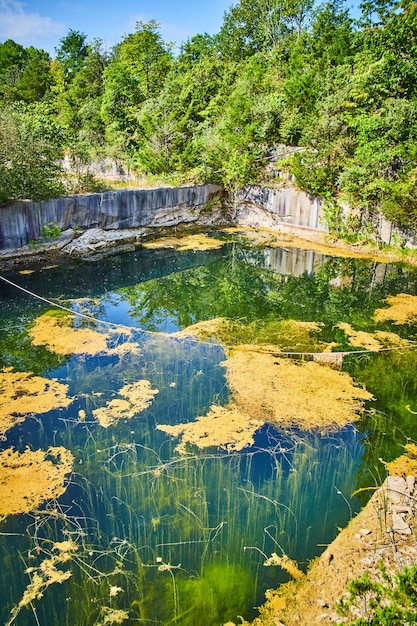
[(268, 207), (120, 220), (384, 531), (161, 207)]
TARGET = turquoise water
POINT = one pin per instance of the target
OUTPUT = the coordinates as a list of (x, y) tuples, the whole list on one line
[(183, 540)]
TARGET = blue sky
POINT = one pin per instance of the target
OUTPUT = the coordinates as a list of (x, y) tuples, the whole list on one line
[(42, 23)]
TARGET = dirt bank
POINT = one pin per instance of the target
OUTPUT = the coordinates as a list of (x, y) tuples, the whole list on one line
[(382, 532)]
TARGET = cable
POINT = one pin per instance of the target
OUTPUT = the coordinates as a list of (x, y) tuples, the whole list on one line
[(130, 328), (60, 306)]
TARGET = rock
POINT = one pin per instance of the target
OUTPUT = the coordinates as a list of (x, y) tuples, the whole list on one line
[(397, 488), (410, 484), (327, 557), (23, 221), (399, 525)]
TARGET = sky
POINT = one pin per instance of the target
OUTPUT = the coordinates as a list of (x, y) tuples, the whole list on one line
[(42, 23)]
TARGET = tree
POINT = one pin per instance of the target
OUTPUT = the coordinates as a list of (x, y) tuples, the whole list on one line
[(146, 55), (136, 71), (24, 72), (30, 152), (72, 52), (78, 103), (239, 134), (35, 79)]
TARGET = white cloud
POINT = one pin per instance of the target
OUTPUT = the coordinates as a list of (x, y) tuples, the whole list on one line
[(24, 27)]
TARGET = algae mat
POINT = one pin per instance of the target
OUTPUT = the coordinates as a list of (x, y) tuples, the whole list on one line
[(32, 477)]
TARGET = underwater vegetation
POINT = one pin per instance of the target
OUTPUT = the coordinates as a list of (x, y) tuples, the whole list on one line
[(203, 424)]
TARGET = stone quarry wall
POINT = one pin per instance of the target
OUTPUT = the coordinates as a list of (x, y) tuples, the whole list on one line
[(267, 207), (23, 221), (287, 208), (284, 208)]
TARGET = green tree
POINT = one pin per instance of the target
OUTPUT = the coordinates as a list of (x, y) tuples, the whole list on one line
[(35, 79), (239, 134), (72, 52), (78, 103), (30, 151), (136, 71), (147, 56), (24, 72)]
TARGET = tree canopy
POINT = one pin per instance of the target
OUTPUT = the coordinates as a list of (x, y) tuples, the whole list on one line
[(287, 72)]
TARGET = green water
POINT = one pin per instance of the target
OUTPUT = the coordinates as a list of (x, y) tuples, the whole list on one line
[(183, 540)]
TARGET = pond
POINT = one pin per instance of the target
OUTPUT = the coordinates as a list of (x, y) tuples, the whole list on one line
[(166, 524)]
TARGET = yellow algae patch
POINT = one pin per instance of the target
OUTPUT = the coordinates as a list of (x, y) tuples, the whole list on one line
[(135, 398), (281, 335), (281, 239), (282, 391), (322, 243), (44, 575), (182, 244), (22, 394), (360, 339), (206, 329), (286, 563), (402, 309), (30, 478), (406, 464), (390, 339), (112, 616), (372, 341), (223, 427), (56, 333)]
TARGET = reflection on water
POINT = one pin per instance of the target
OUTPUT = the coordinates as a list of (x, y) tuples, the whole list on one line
[(164, 538)]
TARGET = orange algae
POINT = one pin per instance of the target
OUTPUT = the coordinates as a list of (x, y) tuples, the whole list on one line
[(406, 464), (56, 333), (223, 427), (288, 393), (22, 394), (402, 309), (372, 341), (182, 244), (133, 399), (30, 478)]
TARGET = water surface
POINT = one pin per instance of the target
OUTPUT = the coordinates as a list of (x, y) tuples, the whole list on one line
[(183, 540)]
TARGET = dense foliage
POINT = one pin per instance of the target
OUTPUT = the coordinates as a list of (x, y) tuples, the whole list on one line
[(279, 73)]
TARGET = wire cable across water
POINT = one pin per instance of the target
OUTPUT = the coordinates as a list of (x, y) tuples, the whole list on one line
[(324, 356)]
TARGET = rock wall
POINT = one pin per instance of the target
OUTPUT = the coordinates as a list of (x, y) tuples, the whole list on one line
[(288, 208), (23, 221), (116, 212), (264, 207)]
